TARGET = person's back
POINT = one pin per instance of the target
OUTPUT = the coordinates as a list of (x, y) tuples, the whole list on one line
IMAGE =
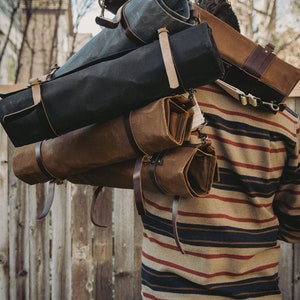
[(230, 237)]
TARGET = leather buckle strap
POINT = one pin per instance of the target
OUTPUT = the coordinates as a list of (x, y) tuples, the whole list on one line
[(249, 99)]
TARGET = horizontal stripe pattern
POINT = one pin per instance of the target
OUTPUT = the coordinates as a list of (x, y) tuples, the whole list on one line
[(166, 281), (230, 236)]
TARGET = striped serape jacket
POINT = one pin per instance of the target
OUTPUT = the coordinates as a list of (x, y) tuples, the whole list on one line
[(231, 236)]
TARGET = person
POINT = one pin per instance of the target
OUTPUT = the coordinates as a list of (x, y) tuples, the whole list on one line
[(231, 237)]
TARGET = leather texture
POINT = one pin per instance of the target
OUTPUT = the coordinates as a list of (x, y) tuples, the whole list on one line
[(109, 89), (160, 125), (250, 67)]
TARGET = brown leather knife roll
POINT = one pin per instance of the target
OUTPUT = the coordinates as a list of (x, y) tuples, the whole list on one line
[(160, 125), (250, 67), (185, 171)]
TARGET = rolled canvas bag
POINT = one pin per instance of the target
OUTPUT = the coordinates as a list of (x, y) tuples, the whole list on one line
[(109, 89), (160, 125), (251, 68), (138, 25), (186, 171)]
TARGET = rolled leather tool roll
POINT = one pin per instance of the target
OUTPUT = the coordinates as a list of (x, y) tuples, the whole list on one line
[(135, 25), (160, 125), (107, 90), (185, 171)]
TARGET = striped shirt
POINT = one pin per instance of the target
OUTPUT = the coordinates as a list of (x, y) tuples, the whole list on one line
[(230, 237)]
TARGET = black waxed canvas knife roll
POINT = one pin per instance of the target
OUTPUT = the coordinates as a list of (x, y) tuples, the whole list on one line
[(112, 88), (141, 18)]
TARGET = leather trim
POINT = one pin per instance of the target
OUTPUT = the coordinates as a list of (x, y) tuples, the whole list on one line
[(259, 60)]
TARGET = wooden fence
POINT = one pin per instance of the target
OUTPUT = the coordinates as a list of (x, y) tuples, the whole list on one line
[(65, 257)]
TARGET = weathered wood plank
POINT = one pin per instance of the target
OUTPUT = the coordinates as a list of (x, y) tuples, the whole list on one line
[(61, 244), (38, 245), (125, 259), (18, 231), (82, 259), (285, 271), (102, 246), (296, 274), (4, 205)]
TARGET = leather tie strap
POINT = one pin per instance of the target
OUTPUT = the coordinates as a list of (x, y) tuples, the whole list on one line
[(168, 58), (53, 181), (49, 200), (39, 160), (137, 185), (93, 205), (175, 206), (139, 197), (35, 84), (156, 160), (130, 136), (36, 90)]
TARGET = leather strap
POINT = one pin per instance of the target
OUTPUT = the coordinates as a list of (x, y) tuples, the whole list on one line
[(137, 185), (35, 84), (156, 160), (39, 160), (129, 32), (139, 197), (130, 136), (101, 21), (175, 206), (168, 57), (49, 200), (93, 205), (36, 90), (121, 19)]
